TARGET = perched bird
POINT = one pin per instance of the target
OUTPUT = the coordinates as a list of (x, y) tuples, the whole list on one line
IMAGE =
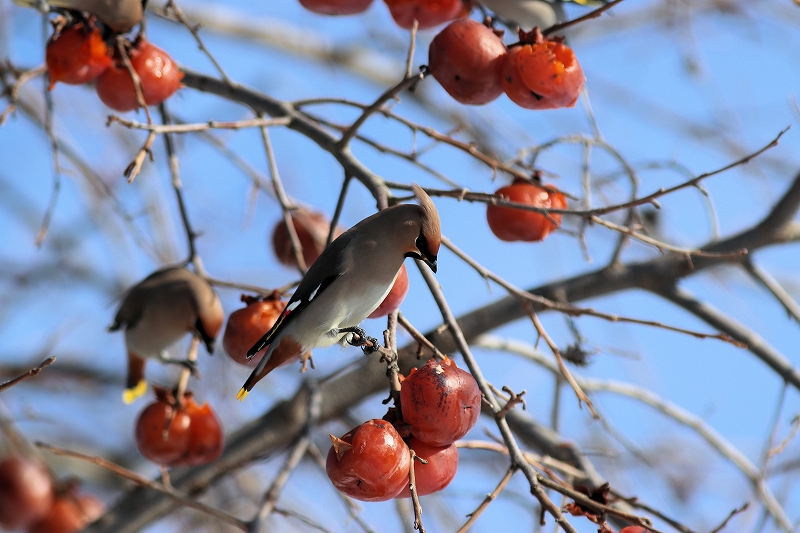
[(348, 282), (119, 15), (159, 310), (528, 13)]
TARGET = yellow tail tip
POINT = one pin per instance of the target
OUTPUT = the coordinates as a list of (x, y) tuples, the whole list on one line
[(242, 394), (130, 395)]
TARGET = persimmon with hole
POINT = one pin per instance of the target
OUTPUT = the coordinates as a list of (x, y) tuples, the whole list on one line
[(247, 325), (541, 73), (77, 55), (370, 462), (336, 7), (396, 295), (440, 402), (428, 13), (466, 58), (158, 72), (193, 437), (512, 224), (312, 232), (437, 473), (26, 492), (70, 512)]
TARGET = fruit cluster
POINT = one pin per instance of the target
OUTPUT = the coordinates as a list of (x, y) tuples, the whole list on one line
[(78, 54), (30, 502), (428, 13), (179, 434), (471, 62), (440, 403)]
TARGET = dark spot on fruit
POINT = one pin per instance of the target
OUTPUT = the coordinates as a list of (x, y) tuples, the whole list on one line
[(458, 78), (537, 96)]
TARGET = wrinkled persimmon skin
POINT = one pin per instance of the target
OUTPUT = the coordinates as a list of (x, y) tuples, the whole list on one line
[(395, 297), (158, 71), (336, 7), (437, 473), (245, 326), (466, 58), (510, 224), (440, 402), (69, 514), (312, 230), (375, 469), (26, 492), (429, 13), (542, 76), (195, 435), (77, 55)]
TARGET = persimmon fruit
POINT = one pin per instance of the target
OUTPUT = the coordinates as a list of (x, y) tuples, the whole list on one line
[(159, 74), (541, 73), (511, 224), (336, 7), (69, 513), (26, 492), (466, 58), (437, 473), (395, 297), (440, 402), (312, 232), (248, 324), (77, 55), (428, 13), (370, 462)]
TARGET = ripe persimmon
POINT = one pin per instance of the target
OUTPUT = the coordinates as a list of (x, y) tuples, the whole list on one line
[(511, 224)]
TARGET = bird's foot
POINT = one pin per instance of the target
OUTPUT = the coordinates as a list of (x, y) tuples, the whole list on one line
[(358, 337), (307, 361), (188, 364)]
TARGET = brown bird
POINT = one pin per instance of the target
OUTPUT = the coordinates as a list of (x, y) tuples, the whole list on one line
[(119, 15), (157, 312), (348, 282)]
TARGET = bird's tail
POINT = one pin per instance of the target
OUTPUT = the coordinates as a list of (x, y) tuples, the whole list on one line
[(262, 369)]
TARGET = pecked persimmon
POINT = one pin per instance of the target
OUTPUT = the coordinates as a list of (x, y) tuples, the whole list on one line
[(511, 224), (194, 436), (437, 473), (159, 74), (466, 58), (428, 13), (369, 463), (312, 231), (247, 325), (440, 402), (77, 55), (26, 492), (541, 73), (395, 297), (69, 513), (336, 7)]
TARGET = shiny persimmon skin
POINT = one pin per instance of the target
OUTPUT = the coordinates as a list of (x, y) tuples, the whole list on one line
[(466, 58), (195, 435), (149, 439), (375, 469), (396, 295), (158, 71), (510, 224), (543, 75), (77, 55), (429, 13), (336, 7), (247, 325), (440, 402), (312, 231), (26, 492), (69, 514), (438, 473), (206, 439)]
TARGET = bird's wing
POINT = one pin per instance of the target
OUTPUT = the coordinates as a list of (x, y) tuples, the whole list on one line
[(297, 303)]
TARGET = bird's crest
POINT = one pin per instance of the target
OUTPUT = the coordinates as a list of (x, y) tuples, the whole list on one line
[(431, 227)]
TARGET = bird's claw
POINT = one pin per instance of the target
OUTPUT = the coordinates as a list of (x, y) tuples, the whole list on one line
[(359, 338), (191, 366)]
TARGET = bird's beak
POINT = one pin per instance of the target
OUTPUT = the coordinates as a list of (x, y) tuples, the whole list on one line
[(431, 263)]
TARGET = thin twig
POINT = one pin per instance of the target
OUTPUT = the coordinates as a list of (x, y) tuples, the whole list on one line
[(473, 516), (29, 374), (412, 486), (418, 336), (162, 129), (733, 513), (144, 482), (773, 286)]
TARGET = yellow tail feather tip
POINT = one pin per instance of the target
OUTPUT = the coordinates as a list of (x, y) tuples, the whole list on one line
[(130, 395), (242, 394)]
